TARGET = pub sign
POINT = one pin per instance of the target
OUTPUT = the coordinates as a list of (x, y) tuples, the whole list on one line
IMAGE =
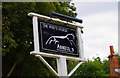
[(57, 39)]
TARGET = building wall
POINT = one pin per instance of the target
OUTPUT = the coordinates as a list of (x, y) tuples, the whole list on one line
[(113, 61)]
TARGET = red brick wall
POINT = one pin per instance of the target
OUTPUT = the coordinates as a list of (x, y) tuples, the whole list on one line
[(113, 61)]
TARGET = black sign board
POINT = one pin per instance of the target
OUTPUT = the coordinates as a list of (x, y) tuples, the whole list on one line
[(57, 39)]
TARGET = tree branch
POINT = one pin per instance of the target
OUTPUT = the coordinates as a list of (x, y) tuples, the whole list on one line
[(11, 70)]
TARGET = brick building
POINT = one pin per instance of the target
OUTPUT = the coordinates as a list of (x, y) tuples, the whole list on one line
[(114, 64)]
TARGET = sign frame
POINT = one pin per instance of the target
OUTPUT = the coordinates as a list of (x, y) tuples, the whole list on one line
[(61, 59)]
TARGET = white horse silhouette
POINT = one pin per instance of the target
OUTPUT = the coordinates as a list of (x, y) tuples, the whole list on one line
[(69, 37)]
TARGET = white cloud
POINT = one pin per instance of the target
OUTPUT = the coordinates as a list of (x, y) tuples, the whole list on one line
[(100, 21), (91, 8), (100, 31)]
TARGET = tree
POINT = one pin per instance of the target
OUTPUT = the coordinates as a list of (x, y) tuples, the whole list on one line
[(93, 69), (106, 66), (17, 36), (119, 60)]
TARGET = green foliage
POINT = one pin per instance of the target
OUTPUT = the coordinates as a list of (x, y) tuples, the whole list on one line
[(92, 69), (106, 66), (119, 60), (71, 65)]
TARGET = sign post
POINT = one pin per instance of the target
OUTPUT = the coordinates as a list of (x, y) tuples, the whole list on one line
[(62, 66), (57, 39)]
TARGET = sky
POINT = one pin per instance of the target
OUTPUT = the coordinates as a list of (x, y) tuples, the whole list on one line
[(100, 21)]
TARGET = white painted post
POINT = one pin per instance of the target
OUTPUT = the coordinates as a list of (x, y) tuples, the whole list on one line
[(62, 66), (35, 33), (80, 43)]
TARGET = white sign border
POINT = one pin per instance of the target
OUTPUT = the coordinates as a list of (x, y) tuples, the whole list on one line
[(61, 59)]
